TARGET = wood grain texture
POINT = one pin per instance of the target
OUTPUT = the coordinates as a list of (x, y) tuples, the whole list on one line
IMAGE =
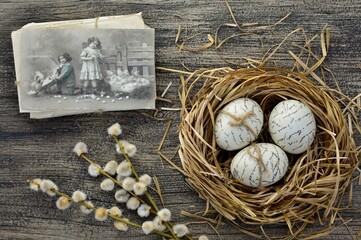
[(43, 148)]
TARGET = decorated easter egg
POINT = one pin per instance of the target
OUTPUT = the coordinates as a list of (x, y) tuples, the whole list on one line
[(292, 126), (259, 165), (238, 124)]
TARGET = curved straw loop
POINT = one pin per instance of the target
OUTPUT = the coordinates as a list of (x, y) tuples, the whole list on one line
[(315, 181)]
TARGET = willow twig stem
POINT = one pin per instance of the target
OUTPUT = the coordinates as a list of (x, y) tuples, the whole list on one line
[(101, 171), (83, 203), (126, 157), (150, 198)]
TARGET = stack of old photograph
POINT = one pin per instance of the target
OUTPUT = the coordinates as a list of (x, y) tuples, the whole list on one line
[(82, 66)]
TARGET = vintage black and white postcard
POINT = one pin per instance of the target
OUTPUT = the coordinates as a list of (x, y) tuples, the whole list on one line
[(75, 70)]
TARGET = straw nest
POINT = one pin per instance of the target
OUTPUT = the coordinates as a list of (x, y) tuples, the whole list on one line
[(315, 182)]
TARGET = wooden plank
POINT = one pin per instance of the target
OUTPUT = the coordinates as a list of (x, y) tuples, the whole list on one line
[(140, 63), (140, 49), (43, 148), (140, 55)]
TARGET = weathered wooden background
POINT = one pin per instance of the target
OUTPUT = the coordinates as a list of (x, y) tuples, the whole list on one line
[(43, 148)]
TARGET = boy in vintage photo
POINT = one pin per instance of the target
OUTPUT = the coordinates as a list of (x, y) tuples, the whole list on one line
[(65, 74)]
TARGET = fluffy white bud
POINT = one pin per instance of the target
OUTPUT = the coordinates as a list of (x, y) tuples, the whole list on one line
[(129, 149), (101, 214), (124, 169), (35, 184), (144, 210), (203, 237), (80, 148), (121, 196), (111, 167), (107, 185), (146, 179), (47, 186), (158, 224), (147, 227), (62, 203), (164, 214), (93, 170), (139, 188), (115, 211), (133, 203), (121, 226), (115, 129), (180, 230), (128, 183), (78, 196)]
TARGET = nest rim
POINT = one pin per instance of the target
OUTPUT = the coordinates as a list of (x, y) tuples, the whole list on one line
[(315, 181)]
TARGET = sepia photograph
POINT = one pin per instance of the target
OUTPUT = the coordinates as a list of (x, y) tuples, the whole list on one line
[(87, 69)]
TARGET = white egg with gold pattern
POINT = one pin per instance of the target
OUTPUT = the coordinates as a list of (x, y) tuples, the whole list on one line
[(292, 126), (238, 124), (247, 167)]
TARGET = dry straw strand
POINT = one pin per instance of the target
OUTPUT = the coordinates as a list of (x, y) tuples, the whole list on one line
[(316, 180)]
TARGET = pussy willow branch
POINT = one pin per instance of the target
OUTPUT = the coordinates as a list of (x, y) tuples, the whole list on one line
[(154, 208), (101, 171), (126, 157), (83, 203), (150, 198)]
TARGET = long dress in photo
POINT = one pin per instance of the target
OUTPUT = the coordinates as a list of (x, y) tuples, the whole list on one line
[(90, 69)]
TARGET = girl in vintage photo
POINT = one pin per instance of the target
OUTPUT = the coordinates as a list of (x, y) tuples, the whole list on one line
[(90, 71), (65, 74)]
